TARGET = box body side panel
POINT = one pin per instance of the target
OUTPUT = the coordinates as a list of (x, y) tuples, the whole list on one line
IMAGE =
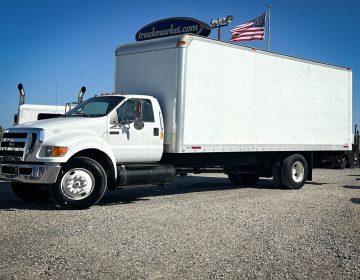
[(243, 100), (224, 98)]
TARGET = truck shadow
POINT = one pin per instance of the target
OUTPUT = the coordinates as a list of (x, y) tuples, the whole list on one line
[(16, 204), (182, 185), (355, 200), (9, 202), (352, 187), (318, 184)]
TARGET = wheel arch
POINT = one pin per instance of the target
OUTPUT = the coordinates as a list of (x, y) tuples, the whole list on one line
[(104, 160)]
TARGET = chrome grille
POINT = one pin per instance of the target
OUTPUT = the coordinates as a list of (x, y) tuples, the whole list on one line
[(15, 146), (12, 144), (10, 135)]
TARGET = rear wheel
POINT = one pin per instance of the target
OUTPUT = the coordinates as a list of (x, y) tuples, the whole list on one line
[(30, 192), (248, 179), (81, 183), (294, 171)]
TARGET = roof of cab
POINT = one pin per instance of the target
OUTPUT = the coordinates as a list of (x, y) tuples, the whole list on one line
[(126, 95)]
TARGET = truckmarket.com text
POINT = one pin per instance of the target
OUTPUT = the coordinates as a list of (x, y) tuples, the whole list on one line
[(170, 31)]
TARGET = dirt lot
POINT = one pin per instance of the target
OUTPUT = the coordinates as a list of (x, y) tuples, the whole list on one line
[(199, 227)]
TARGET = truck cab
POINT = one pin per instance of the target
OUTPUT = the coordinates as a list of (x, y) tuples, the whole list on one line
[(100, 133)]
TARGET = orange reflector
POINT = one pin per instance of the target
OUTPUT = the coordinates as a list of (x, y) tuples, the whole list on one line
[(180, 43), (58, 151)]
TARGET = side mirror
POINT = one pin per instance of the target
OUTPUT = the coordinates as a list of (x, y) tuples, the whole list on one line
[(139, 125)]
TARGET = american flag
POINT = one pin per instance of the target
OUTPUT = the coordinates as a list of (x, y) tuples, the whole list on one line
[(252, 30)]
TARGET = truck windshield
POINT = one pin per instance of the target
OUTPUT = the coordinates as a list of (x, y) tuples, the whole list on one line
[(95, 107)]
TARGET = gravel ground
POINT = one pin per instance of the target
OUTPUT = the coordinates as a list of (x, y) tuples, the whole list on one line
[(199, 227)]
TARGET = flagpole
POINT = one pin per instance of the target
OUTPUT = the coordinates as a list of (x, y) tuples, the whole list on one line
[(268, 37)]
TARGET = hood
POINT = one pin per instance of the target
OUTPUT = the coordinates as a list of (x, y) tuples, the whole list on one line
[(64, 125)]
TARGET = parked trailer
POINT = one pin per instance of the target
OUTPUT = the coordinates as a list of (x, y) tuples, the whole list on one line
[(186, 104), (34, 112)]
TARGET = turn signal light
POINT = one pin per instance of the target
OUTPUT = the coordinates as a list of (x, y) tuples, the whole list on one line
[(58, 151)]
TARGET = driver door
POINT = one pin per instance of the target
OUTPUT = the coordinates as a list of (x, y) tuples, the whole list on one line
[(133, 132)]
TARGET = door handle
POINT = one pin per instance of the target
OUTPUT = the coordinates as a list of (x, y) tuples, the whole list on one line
[(156, 131)]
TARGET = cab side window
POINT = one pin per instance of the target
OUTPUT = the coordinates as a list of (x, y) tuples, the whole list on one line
[(127, 111), (133, 109), (148, 112)]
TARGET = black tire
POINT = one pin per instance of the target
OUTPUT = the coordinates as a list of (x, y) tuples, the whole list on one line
[(276, 172), (73, 194), (248, 179), (297, 164), (30, 192)]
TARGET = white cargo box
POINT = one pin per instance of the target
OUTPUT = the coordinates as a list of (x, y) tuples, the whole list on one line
[(220, 97)]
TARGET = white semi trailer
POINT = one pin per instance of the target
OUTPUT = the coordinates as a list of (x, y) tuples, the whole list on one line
[(33, 112), (186, 104)]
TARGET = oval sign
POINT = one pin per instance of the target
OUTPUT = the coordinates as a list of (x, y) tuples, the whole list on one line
[(171, 27)]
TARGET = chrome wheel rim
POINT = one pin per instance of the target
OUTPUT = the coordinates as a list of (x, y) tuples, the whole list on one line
[(297, 171), (77, 184)]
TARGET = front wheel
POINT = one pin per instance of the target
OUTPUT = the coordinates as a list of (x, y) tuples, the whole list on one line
[(81, 183)]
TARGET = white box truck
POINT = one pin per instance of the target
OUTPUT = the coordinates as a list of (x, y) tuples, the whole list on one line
[(185, 104)]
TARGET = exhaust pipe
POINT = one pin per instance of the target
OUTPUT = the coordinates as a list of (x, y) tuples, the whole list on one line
[(81, 94), (21, 94)]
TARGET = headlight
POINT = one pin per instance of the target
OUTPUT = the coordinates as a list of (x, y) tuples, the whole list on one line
[(55, 151)]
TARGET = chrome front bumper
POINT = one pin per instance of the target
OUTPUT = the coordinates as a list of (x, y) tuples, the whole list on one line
[(29, 173)]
